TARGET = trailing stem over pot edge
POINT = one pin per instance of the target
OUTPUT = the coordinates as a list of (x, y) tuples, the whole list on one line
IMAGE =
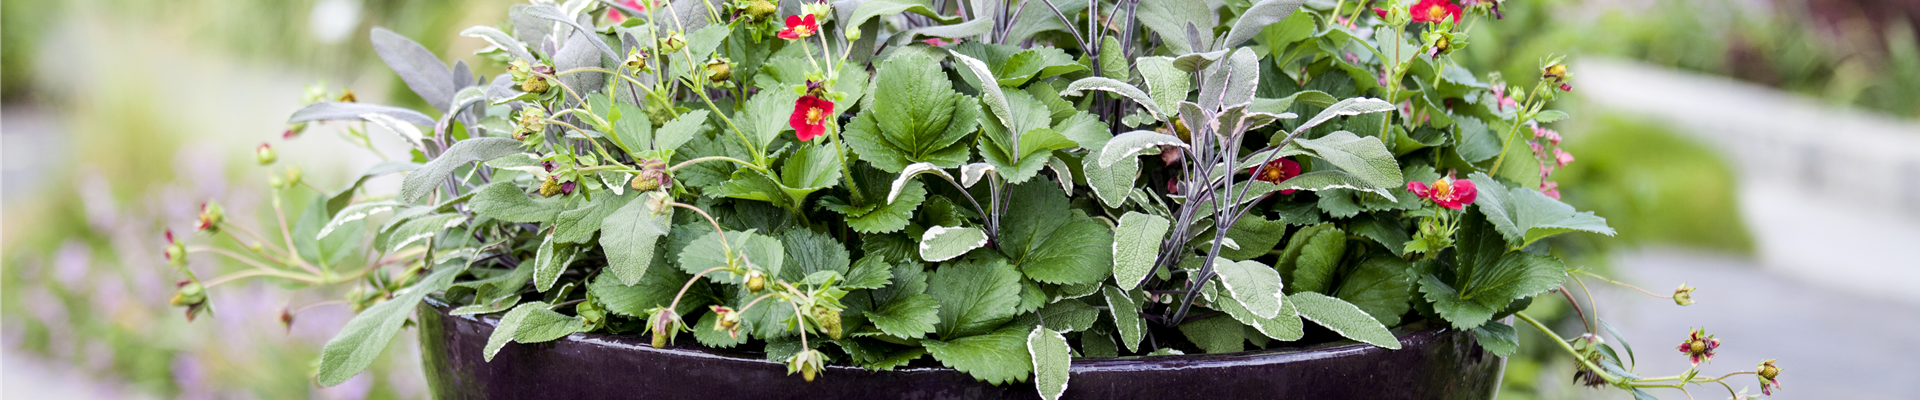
[(1000, 187)]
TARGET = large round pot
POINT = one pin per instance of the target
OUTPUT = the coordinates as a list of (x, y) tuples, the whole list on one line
[(1432, 364)]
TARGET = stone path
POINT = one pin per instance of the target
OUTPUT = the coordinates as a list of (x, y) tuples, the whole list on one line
[(1833, 200), (1832, 195), (1833, 343)]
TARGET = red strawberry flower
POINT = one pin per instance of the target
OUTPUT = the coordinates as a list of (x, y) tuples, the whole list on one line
[(1447, 192), (800, 27), (614, 14), (1434, 11), (809, 118), (1276, 171)]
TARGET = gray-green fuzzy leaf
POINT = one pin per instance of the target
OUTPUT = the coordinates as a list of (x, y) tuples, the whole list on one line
[(1051, 361), (1364, 157), (531, 323), (421, 182), (420, 69), (1116, 87), (367, 334), (1131, 144), (1255, 285), (1136, 243), (941, 243), (504, 201), (1126, 316), (1345, 319)]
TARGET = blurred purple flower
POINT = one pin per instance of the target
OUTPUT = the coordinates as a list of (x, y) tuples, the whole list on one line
[(70, 264), (96, 197)]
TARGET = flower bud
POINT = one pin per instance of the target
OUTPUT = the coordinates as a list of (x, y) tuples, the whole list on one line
[(532, 120), (1555, 71), (719, 70), (637, 60), (673, 42), (821, 11), (756, 281), (210, 217), (264, 154), (1769, 376), (728, 321), (653, 175), (659, 202), (190, 294), (346, 96), (294, 130), (853, 34), (293, 176), (519, 70), (286, 319), (1683, 295), (1588, 346), (591, 311), (807, 362), (176, 251), (664, 324)]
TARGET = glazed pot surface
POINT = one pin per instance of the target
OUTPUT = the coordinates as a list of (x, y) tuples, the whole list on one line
[(1432, 364)]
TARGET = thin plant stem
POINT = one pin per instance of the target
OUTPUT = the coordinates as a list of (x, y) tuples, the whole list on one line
[(223, 279), (1595, 369), (1584, 272), (689, 163)]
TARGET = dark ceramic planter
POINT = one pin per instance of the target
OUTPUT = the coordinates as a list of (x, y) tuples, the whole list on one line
[(1432, 364)]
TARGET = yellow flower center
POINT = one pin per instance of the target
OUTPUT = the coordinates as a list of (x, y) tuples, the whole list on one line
[(803, 30), (814, 115), (1442, 189), (1436, 12)]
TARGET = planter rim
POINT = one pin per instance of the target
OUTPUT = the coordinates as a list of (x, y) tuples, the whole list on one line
[(1409, 337)]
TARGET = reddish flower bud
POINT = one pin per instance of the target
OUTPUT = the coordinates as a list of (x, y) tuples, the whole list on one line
[(210, 217), (264, 154), (1769, 376), (1683, 295), (728, 321), (176, 251)]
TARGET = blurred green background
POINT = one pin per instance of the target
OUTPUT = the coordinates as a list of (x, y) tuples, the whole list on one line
[(122, 115)]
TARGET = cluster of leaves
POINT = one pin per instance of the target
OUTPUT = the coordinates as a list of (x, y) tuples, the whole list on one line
[(995, 208)]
